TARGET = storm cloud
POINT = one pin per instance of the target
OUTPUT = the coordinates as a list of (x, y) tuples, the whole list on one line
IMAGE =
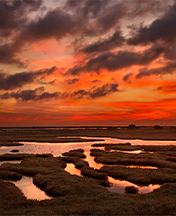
[(18, 80), (30, 95), (115, 61), (13, 14), (39, 93), (112, 41), (167, 69), (161, 29), (96, 92)]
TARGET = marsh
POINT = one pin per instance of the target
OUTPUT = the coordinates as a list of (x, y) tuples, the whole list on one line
[(51, 167)]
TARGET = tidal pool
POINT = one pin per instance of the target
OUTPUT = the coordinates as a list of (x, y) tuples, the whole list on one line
[(56, 149), (29, 190)]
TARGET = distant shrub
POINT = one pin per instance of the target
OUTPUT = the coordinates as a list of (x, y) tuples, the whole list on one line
[(157, 127), (132, 126)]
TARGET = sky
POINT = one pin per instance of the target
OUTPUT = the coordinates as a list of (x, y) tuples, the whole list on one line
[(87, 62)]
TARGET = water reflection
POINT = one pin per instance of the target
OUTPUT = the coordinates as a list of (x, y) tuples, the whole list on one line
[(128, 152), (11, 161), (72, 170), (29, 190), (119, 186), (140, 167)]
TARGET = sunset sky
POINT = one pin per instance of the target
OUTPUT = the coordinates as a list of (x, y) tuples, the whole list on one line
[(87, 62)]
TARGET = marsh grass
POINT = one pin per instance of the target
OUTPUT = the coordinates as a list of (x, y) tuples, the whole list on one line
[(9, 143), (79, 163), (131, 190), (118, 146), (141, 176), (8, 157), (10, 175), (93, 173), (142, 159), (75, 153), (81, 195), (33, 165)]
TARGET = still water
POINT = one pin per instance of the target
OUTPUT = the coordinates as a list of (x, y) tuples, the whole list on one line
[(56, 149)]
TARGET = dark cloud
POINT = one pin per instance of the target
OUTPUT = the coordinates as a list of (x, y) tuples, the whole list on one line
[(87, 8), (13, 18), (161, 29), (31, 95), (55, 24), (95, 81), (110, 18), (96, 92), (104, 90), (10, 82), (116, 61), (137, 8), (104, 45), (168, 69), (100, 16), (8, 54), (127, 76), (39, 93), (71, 81), (13, 14)]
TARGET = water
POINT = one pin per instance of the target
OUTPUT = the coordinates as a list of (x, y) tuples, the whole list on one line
[(30, 190), (56, 149)]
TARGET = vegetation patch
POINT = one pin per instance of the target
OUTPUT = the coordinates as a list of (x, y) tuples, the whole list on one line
[(8, 157), (9, 194), (34, 165), (93, 173), (9, 143), (79, 163), (142, 159), (141, 176), (131, 190), (118, 146), (75, 153), (10, 175)]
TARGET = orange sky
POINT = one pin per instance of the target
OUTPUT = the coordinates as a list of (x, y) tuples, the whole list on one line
[(73, 63)]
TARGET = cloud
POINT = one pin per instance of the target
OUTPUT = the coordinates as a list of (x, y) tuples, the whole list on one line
[(160, 29), (115, 61), (13, 18), (13, 14), (8, 54), (168, 69), (167, 89), (81, 20), (97, 92), (71, 81), (127, 76), (31, 95), (11, 82), (39, 93), (55, 24), (104, 45)]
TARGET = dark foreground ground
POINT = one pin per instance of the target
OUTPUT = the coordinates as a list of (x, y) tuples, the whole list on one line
[(74, 195)]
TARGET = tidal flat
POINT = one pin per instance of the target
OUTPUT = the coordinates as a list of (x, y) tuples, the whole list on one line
[(88, 193)]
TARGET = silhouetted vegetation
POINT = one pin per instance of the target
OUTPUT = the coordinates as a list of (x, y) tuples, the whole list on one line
[(132, 126)]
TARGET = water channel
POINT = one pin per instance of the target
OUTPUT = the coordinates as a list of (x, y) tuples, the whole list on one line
[(56, 149)]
